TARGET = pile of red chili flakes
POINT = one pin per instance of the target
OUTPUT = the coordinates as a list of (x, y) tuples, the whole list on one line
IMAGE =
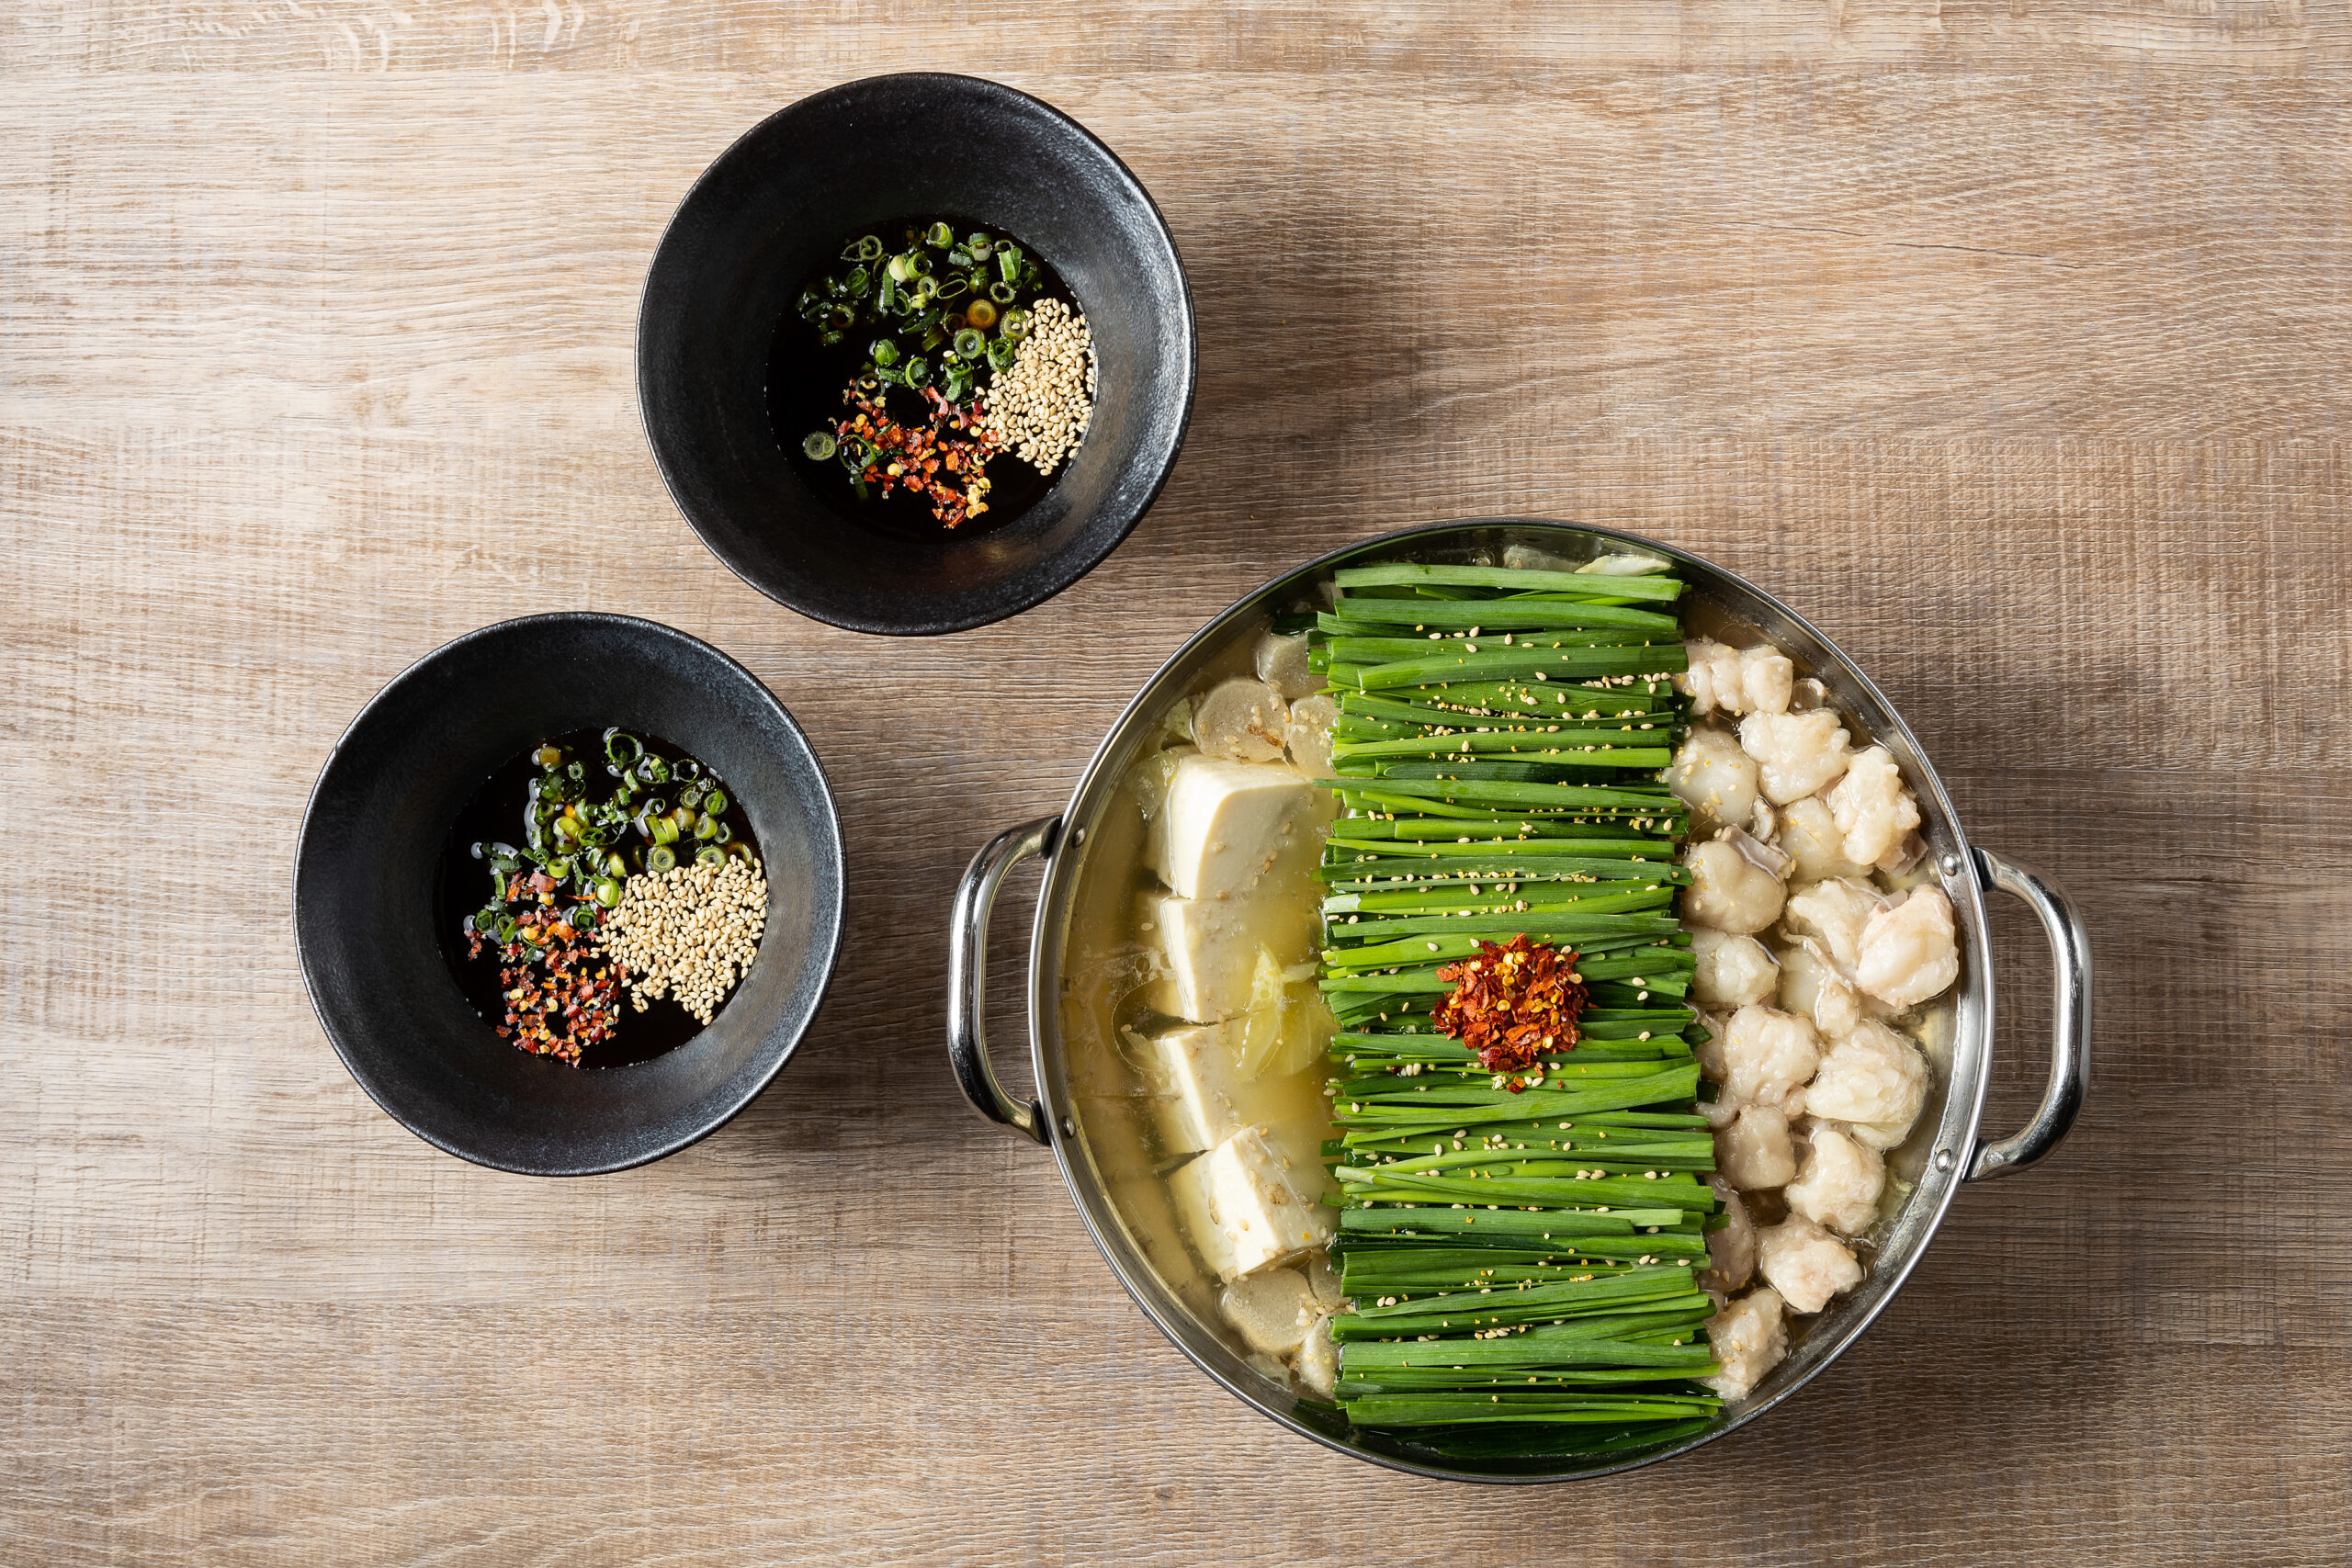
[(902, 456), (575, 1003), (1512, 1003)]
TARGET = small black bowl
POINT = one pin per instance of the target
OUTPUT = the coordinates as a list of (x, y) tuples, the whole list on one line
[(379, 818), (778, 203)]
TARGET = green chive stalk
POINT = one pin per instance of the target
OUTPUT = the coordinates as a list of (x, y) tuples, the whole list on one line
[(1520, 1250)]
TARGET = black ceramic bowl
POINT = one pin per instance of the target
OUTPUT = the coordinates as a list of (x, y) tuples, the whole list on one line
[(779, 203), (379, 819)]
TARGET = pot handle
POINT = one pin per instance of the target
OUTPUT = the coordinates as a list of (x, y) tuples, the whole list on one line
[(2070, 1031), (967, 963)]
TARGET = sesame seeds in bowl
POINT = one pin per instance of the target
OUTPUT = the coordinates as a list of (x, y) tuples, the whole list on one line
[(1041, 407), (688, 932)]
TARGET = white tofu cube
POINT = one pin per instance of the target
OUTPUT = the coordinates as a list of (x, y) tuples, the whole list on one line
[(1245, 1205), (1209, 950), (1205, 1099), (1222, 824)]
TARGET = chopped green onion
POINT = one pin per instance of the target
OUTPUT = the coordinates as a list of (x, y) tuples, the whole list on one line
[(609, 892), (715, 801), (1008, 263), (970, 344), (903, 267), (661, 857), (1004, 293), (978, 244), (708, 856), (819, 444), (939, 236)]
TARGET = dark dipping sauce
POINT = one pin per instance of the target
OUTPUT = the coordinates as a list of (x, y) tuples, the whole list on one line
[(498, 813), (806, 380)]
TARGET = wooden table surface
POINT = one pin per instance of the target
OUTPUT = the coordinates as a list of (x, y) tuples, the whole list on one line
[(2007, 340)]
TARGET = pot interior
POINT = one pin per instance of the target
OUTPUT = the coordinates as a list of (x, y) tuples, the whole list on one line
[(1089, 963)]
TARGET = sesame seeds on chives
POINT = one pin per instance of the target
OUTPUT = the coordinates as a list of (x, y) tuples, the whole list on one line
[(1492, 1163)]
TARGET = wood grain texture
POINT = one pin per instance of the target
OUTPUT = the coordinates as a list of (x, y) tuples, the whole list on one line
[(2006, 341)]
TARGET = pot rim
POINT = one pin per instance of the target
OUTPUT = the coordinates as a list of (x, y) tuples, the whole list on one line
[(1951, 862)]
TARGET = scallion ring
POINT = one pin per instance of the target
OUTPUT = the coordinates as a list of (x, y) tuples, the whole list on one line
[(819, 444), (661, 857), (715, 801), (708, 856), (939, 236), (970, 344), (979, 313)]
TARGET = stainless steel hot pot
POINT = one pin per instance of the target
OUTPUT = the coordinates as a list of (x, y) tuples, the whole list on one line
[(1140, 1239)]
